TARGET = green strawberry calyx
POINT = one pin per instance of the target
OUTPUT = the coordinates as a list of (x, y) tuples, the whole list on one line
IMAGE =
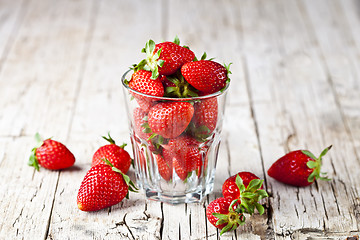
[(251, 195), (316, 165), (33, 162), (233, 218), (182, 88), (152, 62), (112, 141), (126, 178)]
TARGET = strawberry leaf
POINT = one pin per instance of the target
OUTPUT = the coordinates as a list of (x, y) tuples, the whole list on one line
[(33, 162), (309, 154), (316, 165), (260, 208), (109, 139), (311, 164), (176, 40), (240, 184), (203, 57)]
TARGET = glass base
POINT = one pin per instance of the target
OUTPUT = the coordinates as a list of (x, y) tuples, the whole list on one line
[(193, 197)]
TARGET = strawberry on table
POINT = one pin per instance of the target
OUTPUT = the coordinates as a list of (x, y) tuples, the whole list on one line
[(298, 168), (246, 187), (206, 76), (170, 119), (103, 186), (117, 155), (225, 214), (50, 154), (231, 189)]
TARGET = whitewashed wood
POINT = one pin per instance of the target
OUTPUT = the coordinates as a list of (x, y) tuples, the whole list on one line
[(290, 64), (113, 46), (38, 80), (294, 85), (42, 74), (239, 137)]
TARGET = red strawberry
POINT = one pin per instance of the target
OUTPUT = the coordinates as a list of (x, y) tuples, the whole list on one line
[(180, 171), (299, 168), (230, 189), (141, 81), (103, 186), (225, 214), (164, 164), (205, 117), (249, 191), (187, 151), (119, 157), (166, 82), (170, 119), (50, 154), (206, 75), (141, 127), (165, 58)]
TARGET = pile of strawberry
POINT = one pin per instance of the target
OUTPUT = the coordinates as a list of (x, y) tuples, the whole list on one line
[(104, 185), (243, 191), (241, 194), (175, 128)]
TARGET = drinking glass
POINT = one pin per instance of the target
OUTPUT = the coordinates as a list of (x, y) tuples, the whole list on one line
[(177, 167)]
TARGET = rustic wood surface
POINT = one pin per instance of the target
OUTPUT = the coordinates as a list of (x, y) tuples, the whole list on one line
[(295, 85)]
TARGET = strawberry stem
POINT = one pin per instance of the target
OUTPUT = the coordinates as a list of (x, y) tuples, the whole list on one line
[(233, 219), (33, 162), (316, 165), (251, 195), (109, 139)]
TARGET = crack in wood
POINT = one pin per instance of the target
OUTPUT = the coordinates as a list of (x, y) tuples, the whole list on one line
[(123, 223)]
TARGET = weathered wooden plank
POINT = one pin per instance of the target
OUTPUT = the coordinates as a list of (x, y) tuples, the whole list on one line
[(338, 36), (27, 196), (37, 85), (239, 150), (11, 15), (287, 117), (118, 31), (42, 74)]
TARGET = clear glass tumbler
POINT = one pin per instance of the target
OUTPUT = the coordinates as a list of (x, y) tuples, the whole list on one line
[(175, 143)]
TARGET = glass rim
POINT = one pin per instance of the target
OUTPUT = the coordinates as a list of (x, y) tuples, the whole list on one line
[(215, 94)]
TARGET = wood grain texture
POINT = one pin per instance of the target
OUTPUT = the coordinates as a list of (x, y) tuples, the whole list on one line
[(295, 85)]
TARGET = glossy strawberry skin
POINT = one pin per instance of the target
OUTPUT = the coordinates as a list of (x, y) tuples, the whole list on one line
[(54, 155), (180, 171), (101, 188), (219, 205), (187, 151), (231, 190), (174, 57), (292, 169), (141, 81), (165, 165), (170, 119), (206, 114), (118, 156), (139, 121), (205, 75)]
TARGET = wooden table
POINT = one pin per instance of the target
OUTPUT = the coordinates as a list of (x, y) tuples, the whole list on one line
[(295, 85)]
